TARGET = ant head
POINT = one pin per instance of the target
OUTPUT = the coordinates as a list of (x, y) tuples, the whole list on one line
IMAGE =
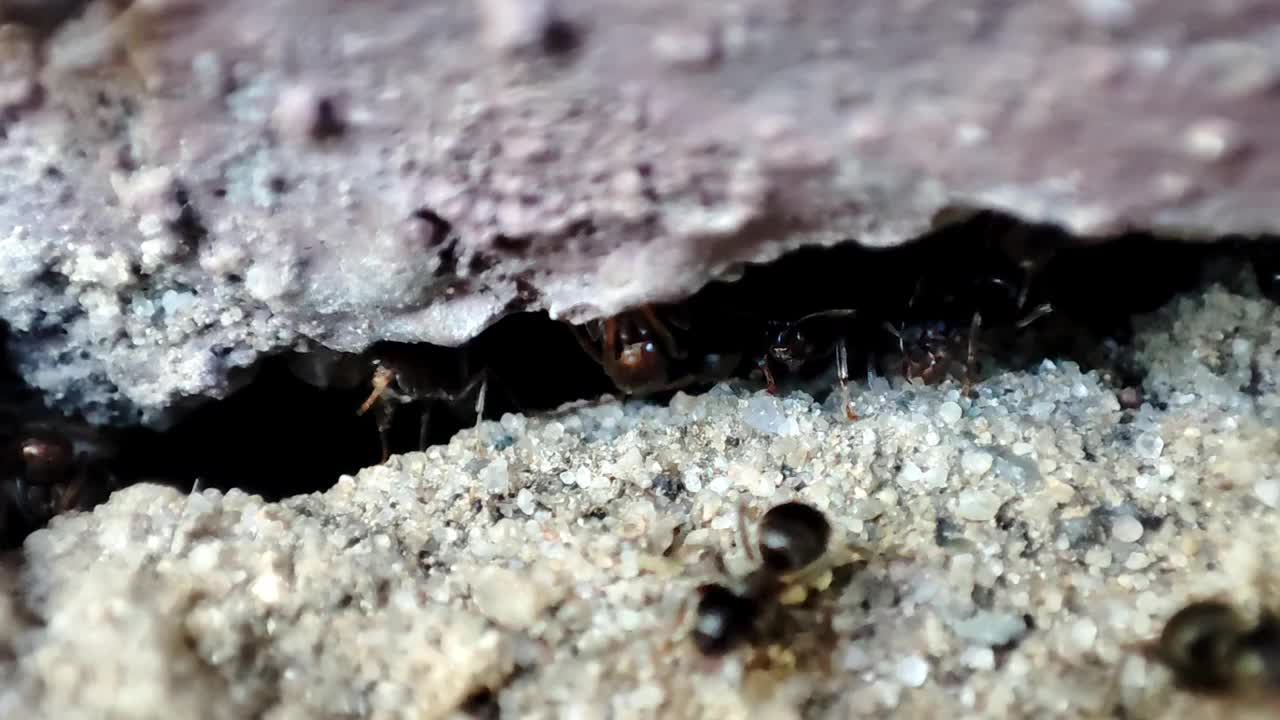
[(790, 347), (1200, 644), (793, 535), (724, 620), (642, 362), (45, 456)]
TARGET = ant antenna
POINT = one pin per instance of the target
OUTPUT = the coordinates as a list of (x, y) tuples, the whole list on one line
[(484, 391), (834, 313), (1036, 313), (177, 524), (842, 376), (744, 538), (902, 345)]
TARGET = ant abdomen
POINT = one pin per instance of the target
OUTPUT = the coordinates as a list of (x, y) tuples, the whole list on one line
[(792, 536), (1199, 644), (725, 619)]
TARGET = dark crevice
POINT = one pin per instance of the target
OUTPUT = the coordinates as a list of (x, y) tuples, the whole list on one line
[(295, 429)]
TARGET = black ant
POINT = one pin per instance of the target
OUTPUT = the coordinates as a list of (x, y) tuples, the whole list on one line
[(795, 344), (640, 352), (793, 538), (1214, 649), (50, 468), (946, 312)]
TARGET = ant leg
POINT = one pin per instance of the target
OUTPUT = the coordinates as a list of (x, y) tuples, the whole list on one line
[(484, 392), (842, 376), (660, 329), (971, 358), (771, 382), (583, 336), (424, 427), (1036, 313), (609, 353), (744, 540), (385, 412)]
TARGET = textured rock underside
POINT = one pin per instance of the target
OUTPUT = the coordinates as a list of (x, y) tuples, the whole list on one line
[(1020, 540), (189, 184)]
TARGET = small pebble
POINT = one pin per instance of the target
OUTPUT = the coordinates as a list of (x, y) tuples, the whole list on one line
[(979, 658), (1268, 491), (1098, 557), (977, 505), (496, 478), (976, 462), (912, 671), (990, 628), (1041, 410), (1149, 445), (1084, 633), (765, 414), (950, 412), (491, 590), (1126, 528), (526, 502), (856, 658)]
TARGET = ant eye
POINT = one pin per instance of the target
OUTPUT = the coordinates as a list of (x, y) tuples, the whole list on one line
[(793, 535)]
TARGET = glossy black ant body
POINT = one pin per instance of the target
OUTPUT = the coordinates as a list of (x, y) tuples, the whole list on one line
[(793, 537), (794, 344), (939, 330), (1212, 648)]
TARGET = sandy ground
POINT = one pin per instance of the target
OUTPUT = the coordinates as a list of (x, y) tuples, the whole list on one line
[(1020, 542)]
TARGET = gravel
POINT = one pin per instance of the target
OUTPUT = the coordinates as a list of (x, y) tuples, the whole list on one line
[(532, 558)]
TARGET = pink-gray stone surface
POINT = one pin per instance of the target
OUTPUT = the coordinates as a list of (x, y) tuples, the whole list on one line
[(186, 185)]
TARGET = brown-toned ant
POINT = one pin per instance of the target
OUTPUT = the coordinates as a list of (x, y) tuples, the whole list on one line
[(49, 468), (399, 374), (640, 352), (420, 373)]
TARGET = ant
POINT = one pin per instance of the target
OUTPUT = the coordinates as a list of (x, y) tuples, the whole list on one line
[(800, 342), (792, 540), (399, 374), (1213, 649), (422, 373), (48, 469), (946, 318), (641, 354)]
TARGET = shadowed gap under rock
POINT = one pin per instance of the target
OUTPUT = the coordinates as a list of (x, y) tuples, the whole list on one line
[(280, 436)]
